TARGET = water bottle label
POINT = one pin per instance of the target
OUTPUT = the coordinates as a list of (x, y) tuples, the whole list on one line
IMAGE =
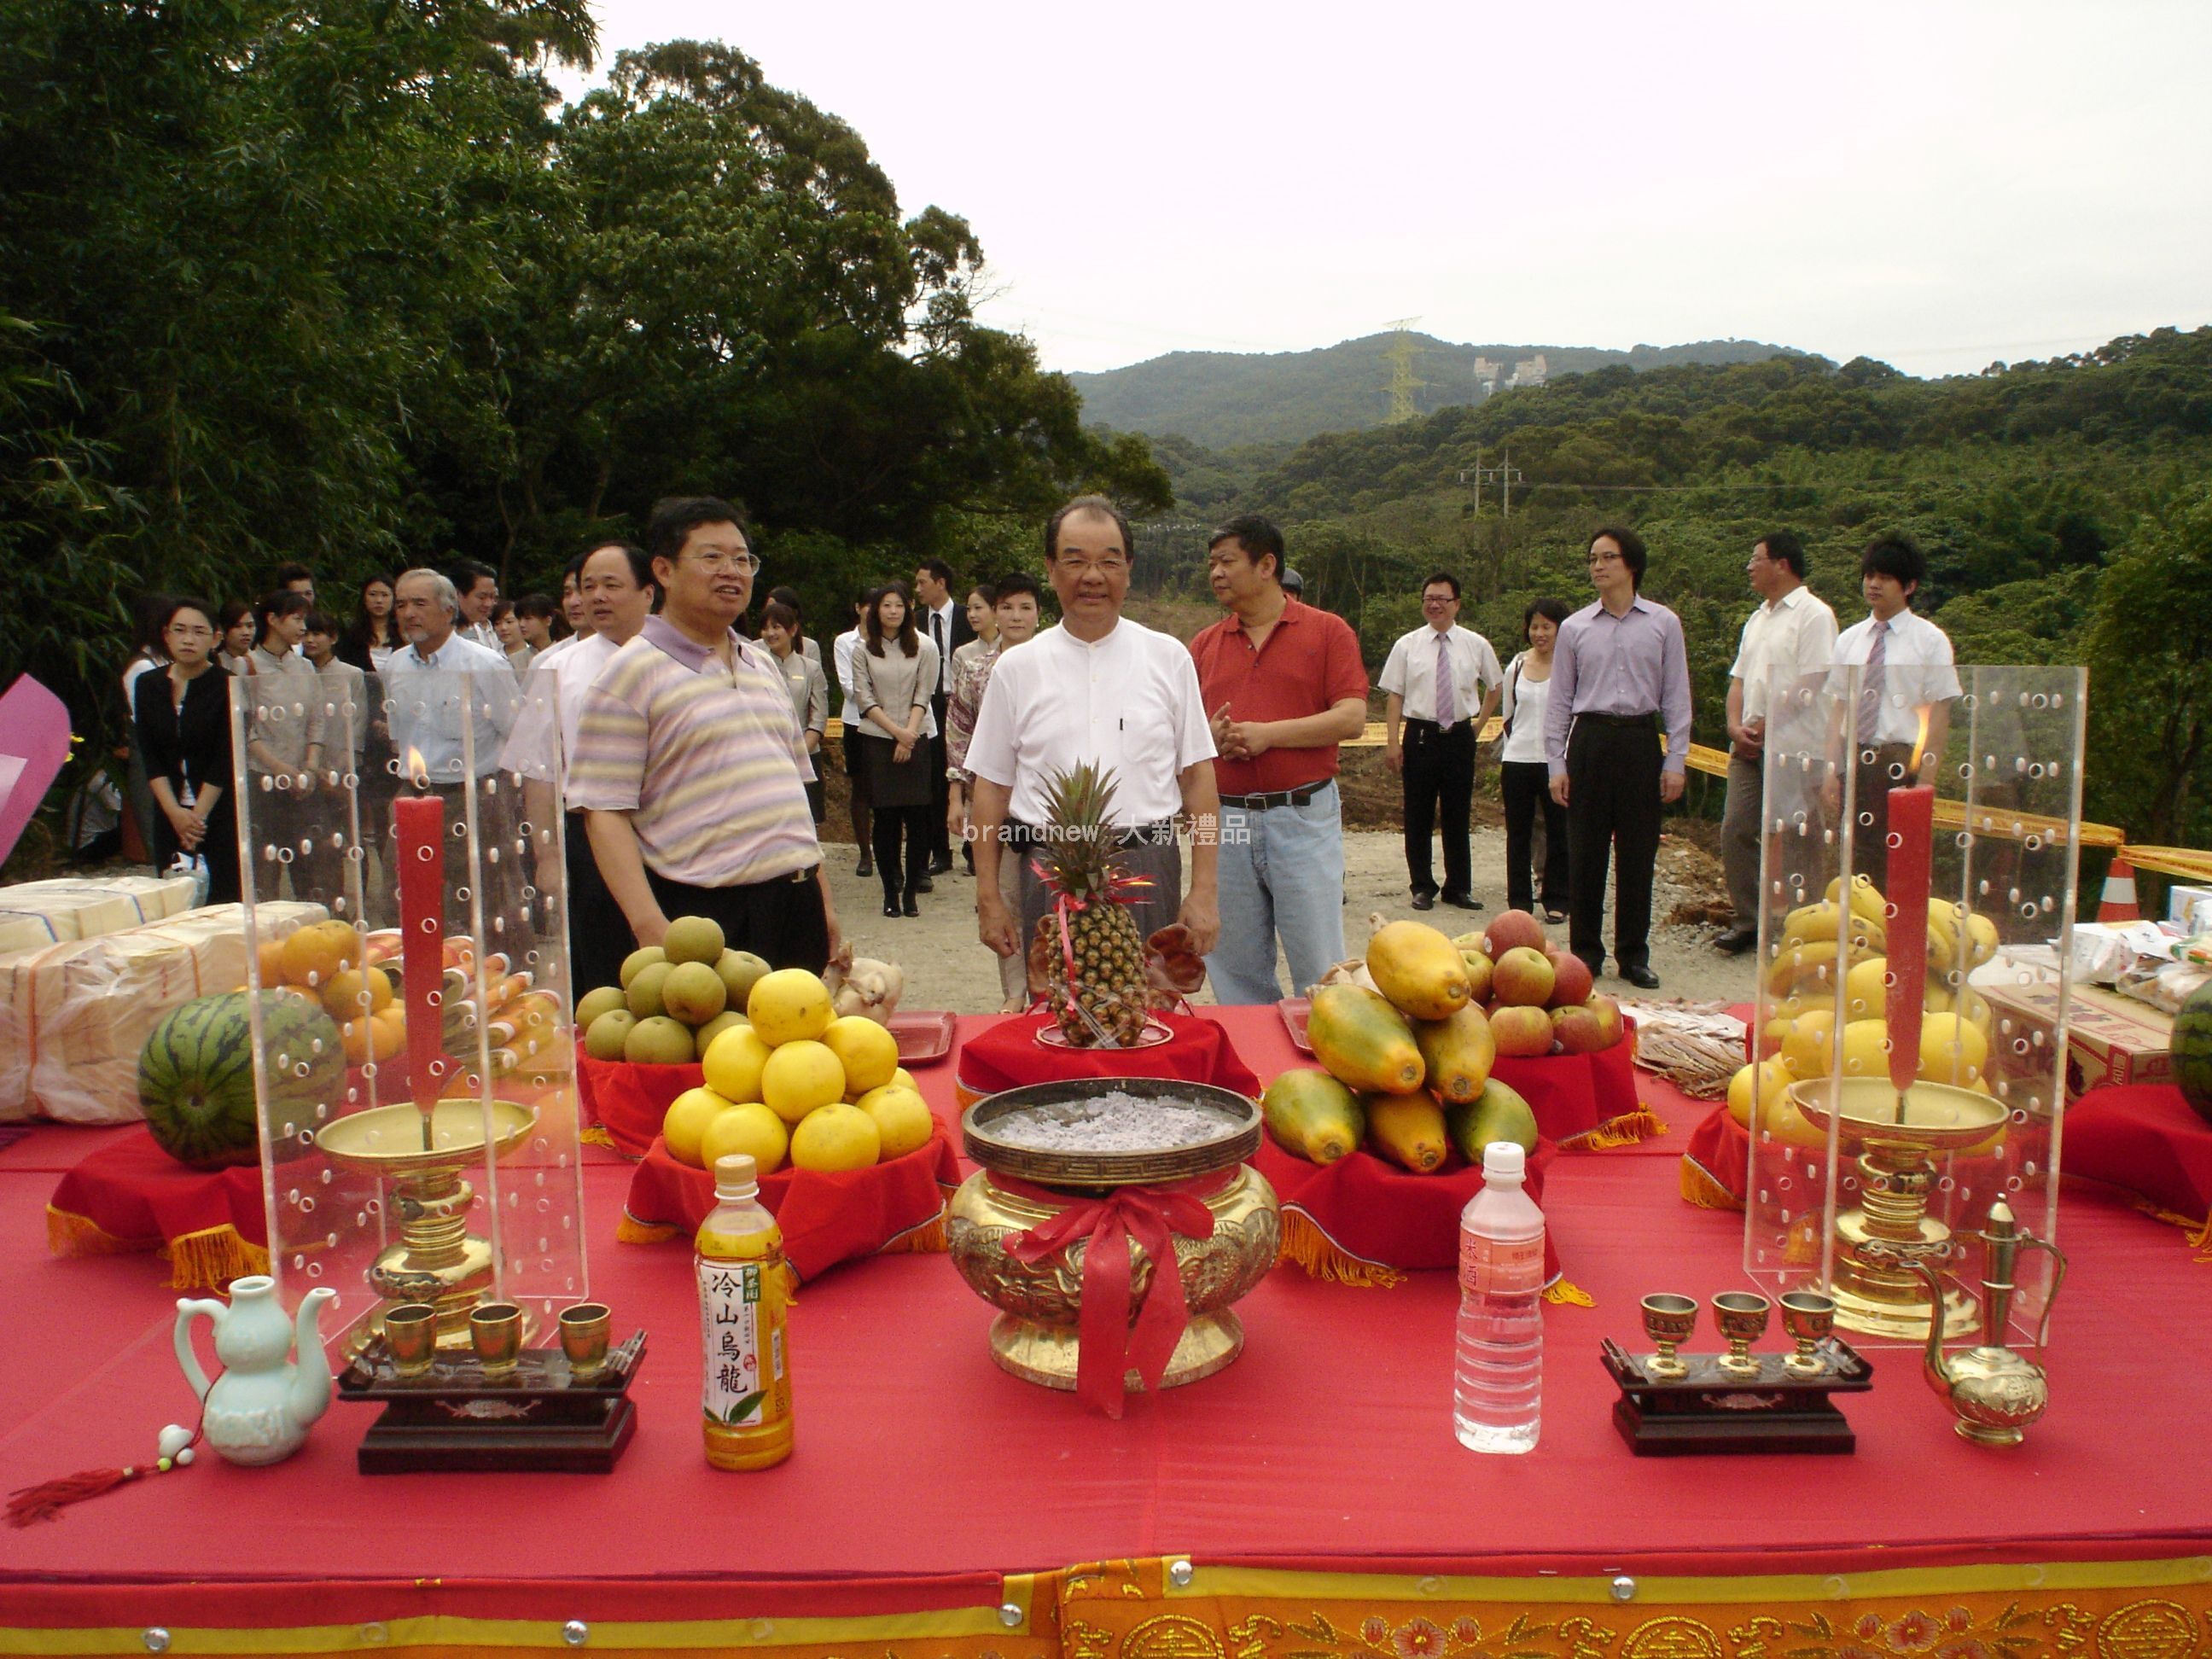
[(1490, 1266), (737, 1394)]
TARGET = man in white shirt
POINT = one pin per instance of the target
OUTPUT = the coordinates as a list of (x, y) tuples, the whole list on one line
[(475, 588), (944, 625), (440, 687), (1434, 678), (1793, 633), (1895, 727), (1101, 689)]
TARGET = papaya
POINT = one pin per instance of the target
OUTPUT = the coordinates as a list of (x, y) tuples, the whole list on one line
[(1313, 1116), (1418, 969), (1364, 1041), (1457, 1053), (1499, 1113), (1408, 1129)]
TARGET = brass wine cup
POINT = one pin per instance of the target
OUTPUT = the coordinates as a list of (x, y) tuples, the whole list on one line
[(1741, 1316), (584, 1331), (1668, 1321), (410, 1330), (1808, 1317), (495, 1330)]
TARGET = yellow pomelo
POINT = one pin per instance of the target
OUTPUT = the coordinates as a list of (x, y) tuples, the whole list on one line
[(687, 1119), (1866, 1048), (1771, 1080), (355, 992), (1952, 1051), (733, 1063), (904, 1079), (901, 1118), (316, 954), (835, 1137), (1805, 1051), (1772, 1036), (749, 1127), (703, 1038), (788, 1006), (801, 1076), (867, 1051), (1866, 989)]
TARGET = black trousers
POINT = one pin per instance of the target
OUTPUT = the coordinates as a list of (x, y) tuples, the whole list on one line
[(780, 921), (599, 934), (1612, 812), (1880, 767), (1526, 787), (938, 835), (895, 826), (1440, 789)]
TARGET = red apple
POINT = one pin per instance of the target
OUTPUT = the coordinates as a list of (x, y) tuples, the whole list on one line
[(1571, 980), (1479, 969), (1522, 1030), (1609, 1020), (1524, 976), (1579, 1029), (1511, 930)]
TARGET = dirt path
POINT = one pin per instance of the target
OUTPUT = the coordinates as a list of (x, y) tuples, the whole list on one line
[(947, 968)]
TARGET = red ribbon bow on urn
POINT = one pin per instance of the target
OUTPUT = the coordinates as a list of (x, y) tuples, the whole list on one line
[(1110, 1343)]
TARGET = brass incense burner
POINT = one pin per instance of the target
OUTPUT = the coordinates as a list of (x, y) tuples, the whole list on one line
[(437, 1259), (1878, 1289), (1039, 1303)]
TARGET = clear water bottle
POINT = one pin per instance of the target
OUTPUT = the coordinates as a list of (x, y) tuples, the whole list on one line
[(1498, 1382)]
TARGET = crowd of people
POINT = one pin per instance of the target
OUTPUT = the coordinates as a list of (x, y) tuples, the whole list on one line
[(688, 756)]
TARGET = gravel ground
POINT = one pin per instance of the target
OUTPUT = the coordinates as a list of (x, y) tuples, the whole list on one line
[(947, 968)]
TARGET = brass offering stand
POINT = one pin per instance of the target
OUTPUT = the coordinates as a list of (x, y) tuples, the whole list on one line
[(542, 1416), (436, 1259), (1878, 1287), (1675, 1405)]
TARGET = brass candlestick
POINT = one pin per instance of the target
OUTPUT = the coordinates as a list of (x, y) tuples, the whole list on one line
[(1877, 1287), (1668, 1319), (436, 1259)]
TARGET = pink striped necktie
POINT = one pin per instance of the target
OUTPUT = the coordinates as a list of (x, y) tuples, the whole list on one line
[(1447, 688), (1870, 684)]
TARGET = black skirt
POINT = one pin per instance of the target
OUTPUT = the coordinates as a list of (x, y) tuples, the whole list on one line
[(892, 783)]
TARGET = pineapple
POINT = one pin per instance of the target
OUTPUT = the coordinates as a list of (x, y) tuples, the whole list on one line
[(1102, 1003)]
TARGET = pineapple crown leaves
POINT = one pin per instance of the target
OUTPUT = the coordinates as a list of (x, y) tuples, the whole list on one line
[(1078, 857)]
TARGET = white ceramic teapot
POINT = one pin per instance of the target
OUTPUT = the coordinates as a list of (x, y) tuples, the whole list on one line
[(260, 1409)]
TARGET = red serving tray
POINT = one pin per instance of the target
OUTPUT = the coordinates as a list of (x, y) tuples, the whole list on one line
[(1294, 1010), (922, 1037)]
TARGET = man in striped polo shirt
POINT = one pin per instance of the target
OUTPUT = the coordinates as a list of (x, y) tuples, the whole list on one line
[(690, 765)]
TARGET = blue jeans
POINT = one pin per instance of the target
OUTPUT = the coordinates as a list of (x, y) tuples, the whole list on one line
[(1282, 873)]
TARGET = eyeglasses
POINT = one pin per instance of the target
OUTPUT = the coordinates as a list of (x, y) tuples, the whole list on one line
[(716, 563), (1109, 565)]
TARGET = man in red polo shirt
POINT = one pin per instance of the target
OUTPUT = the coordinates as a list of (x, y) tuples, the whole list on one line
[(1283, 685)]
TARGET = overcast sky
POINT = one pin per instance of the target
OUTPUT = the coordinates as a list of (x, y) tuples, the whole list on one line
[(1937, 184)]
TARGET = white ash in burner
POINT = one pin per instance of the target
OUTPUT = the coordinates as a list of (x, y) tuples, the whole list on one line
[(1112, 1122)]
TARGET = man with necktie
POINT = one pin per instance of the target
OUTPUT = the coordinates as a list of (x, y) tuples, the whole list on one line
[(1910, 676), (1618, 675), (945, 624), (1434, 679)]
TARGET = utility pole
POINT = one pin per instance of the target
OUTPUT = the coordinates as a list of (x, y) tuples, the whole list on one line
[(1504, 475)]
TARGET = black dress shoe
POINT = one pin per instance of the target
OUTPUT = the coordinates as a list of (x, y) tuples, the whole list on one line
[(891, 907), (1463, 901), (1735, 941), (1642, 977), (912, 909), (1424, 901), (940, 865), (925, 885), (863, 869)]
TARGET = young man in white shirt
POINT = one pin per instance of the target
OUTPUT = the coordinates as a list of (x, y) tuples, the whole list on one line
[(944, 625), (1100, 688), (1437, 758), (1792, 632), (1895, 729)]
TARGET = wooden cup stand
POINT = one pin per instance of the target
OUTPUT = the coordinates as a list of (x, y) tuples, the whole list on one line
[(452, 1418), (1712, 1410)]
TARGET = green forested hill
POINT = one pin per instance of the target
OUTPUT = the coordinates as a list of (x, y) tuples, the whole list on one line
[(2066, 509), (1223, 399)]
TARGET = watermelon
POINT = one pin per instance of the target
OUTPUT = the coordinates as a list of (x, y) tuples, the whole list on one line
[(196, 1075), (2192, 1050)]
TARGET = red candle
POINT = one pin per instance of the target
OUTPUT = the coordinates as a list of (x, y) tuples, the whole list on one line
[(1911, 842), (420, 821)]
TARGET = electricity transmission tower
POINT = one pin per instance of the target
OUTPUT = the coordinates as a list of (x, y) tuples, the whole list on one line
[(1403, 385), (1504, 475)]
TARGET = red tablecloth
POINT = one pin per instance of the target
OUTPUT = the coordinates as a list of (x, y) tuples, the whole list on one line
[(926, 1480), (1008, 1054)]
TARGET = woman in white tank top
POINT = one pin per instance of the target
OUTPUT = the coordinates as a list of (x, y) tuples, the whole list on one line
[(1525, 775)]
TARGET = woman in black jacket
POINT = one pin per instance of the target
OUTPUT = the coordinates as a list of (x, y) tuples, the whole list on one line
[(183, 714)]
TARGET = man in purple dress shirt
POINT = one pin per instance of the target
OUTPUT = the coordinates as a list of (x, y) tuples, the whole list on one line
[(1619, 672)]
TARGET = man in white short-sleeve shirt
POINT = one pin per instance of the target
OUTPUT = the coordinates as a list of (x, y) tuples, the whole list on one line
[(1440, 682), (1795, 632), (1101, 689)]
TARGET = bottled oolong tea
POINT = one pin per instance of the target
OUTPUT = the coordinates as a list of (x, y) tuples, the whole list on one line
[(744, 1291)]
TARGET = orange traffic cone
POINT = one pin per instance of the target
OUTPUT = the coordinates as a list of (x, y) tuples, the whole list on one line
[(2118, 903)]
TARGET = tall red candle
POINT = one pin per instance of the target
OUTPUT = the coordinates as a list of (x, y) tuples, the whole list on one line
[(420, 821), (1912, 835)]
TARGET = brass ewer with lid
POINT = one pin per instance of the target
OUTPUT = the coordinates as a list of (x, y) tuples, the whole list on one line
[(1996, 1392)]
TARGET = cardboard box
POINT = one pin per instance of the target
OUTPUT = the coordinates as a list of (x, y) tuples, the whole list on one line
[(2111, 1040), (2189, 909)]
